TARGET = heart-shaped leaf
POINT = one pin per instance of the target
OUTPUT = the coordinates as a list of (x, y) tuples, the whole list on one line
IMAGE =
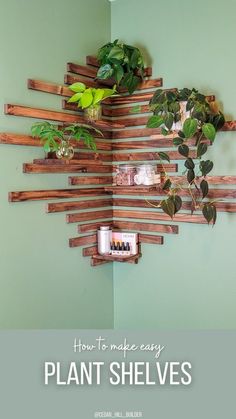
[(163, 156), (190, 175), (190, 127), (177, 141), (209, 131), (105, 72), (209, 212), (201, 149), (168, 207), (155, 121), (168, 120), (189, 163), (183, 150), (206, 167), (77, 87), (167, 185), (204, 188)]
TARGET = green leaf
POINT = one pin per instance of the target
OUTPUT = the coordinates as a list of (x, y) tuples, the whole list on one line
[(117, 53), (164, 131), (130, 81), (190, 127), (77, 87), (209, 212), (167, 185), (201, 149), (75, 98), (105, 72), (118, 73), (177, 203), (178, 141), (206, 167), (98, 96), (209, 131), (189, 163), (163, 156), (183, 150), (190, 175), (204, 188), (87, 98), (135, 109), (109, 92), (155, 121), (168, 207), (168, 120), (181, 134)]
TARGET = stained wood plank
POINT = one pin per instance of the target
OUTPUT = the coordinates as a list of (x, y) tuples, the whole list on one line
[(150, 239), (150, 215), (133, 226), (90, 251), (67, 168), (160, 142), (81, 241), (54, 194), (48, 87), (122, 259), (85, 216), (77, 205), (29, 112), (82, 162), (18, 139), (174, 155), (132, 133), (82, 70), (90, 180)]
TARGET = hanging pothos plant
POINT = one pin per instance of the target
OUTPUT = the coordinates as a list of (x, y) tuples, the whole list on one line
[(122, 62), (187, 114)]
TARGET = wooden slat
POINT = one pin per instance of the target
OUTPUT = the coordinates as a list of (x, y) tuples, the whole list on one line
[(82, 70), (132, 133), (126, 110), (122, 259), (134, 189), (81, 241), (67, 168), (90, 180), (133, 226), (18, 139), (48, 87), (54, 194), (161, 142), (149, 215), (90, 251), (91, 60), (69, 79), (91, 161), (174, 155), (25, 111), (213, 180), (128, 99), (150, 239), (77, 205), (85, 216)]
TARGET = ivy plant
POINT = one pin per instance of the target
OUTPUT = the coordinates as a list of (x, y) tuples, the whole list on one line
[(52, 137), (89, 97), (122, 62), (202, 122)]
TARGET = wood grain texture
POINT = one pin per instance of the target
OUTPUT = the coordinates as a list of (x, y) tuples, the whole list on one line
[(122, 259), (140, 156), (161, 142), (81, 241), (82, 70), (133, 133), (77, 205), (150, 239), (86, 216), (25, 111), (66, 168), (129, 225), (90, 251), (150, 215), (54, 194), (90, 180), (18, 139), (48, 87)]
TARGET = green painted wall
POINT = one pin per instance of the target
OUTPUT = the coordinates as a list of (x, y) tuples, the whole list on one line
[(190, 282), (43, 283)]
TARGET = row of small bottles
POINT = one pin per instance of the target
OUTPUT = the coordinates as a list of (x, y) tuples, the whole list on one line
[(116, 242), (120, 248)]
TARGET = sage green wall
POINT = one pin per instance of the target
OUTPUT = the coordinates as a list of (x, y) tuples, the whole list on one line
[(43, 283), (190, 282)]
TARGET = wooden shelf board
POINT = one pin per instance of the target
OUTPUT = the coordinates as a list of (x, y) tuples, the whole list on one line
[(132, 189), (111, 258)]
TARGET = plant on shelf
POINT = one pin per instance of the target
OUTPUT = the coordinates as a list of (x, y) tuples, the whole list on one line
[(122, 62), (59, 140), (187, 114), (90, 99)]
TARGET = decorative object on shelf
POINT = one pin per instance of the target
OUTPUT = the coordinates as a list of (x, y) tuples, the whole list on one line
[(198, 119), (146, 175), (90, 99), (122, 62), (104, 240), (125, 174), (59, 140)]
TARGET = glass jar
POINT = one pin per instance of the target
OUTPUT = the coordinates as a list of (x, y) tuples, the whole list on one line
[(125, 175), (93, 113), (146, 175), (65, 151)]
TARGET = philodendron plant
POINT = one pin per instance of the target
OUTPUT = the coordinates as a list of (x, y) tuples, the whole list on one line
[(122, 62), (87, 97), (59, 140), (187, 114)]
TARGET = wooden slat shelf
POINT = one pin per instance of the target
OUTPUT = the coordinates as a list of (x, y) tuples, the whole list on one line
[(90, 180), (151, 215), (29, 112), (129, 225), (66, 168), (133, 189), (54, 194), (111, 258), (77, 205), (92, 61), (88, 216)]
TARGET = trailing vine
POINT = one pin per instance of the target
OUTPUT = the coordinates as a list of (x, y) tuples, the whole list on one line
[(187, 114)]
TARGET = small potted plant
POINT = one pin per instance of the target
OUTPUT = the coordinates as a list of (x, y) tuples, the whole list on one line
[(90, 99), (59, 140), (187, 114), (124, 63)]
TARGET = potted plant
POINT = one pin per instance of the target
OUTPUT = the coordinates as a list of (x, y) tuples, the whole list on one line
[(59, 140), (90, 99), (122, 62), (199, 119)]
